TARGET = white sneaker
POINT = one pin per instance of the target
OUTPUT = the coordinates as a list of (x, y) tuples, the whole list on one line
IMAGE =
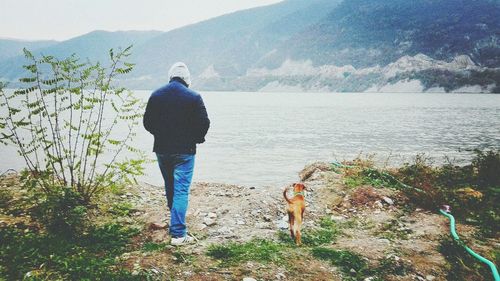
[(182, 241)]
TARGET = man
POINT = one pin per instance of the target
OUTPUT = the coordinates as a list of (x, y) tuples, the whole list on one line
[(178, 119)]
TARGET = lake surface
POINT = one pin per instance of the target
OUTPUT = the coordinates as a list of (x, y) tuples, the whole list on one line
[(265, 139)]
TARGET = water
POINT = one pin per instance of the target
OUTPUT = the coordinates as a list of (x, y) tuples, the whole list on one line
[(265, 139)]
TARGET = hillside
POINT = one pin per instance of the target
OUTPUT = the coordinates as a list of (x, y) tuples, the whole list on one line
[(11, 48), (318, 45)]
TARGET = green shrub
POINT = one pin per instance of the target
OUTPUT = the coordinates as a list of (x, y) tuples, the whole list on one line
[(462, 265), (91, 256), (62, 211)]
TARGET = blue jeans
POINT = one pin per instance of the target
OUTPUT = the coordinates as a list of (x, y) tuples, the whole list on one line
[(177, 171)]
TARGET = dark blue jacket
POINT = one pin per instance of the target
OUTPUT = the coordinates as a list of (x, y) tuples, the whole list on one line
[(177, 118)]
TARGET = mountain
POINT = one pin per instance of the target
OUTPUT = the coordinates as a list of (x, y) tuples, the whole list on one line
[(229, 44), (314, 45), (11, 47), (378, 32), (93, 46)]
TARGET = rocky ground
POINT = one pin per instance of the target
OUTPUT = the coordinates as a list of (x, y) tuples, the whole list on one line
[(375, 224)]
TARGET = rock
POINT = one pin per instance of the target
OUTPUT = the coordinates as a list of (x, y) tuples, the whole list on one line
[(201, 226), (280, 276), (158, 226), (209, 221), (388, 200), (248, 279), (262, 225), (268, 218), (240, 222), (379, 204), (255, 212), (430, 277), (337, 218), (283, 223), (353, 271), (369, 279), (212, 215), (225, 230)]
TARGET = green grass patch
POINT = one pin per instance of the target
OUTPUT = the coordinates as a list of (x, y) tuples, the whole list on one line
[(372, 177), (345, 261), (255, 250), (154, 247), (90, 256), (327, 233)]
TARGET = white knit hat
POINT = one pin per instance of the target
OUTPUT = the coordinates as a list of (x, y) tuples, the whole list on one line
[(180, 70)]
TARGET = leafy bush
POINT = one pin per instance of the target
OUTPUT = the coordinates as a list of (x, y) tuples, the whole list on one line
[(66, 117), (473, 191)]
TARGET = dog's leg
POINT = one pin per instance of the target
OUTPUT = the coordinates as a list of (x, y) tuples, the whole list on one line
[(291, 222), (297, 227)]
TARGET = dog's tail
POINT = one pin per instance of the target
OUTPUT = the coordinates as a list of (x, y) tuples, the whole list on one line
[(284, 195)]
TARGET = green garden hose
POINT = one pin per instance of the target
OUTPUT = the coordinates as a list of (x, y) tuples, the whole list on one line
[(454, 234)]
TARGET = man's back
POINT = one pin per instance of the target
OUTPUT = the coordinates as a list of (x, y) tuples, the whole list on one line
[(177, 118)]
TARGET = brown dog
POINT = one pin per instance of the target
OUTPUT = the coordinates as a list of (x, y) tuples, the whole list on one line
[(296, 207)]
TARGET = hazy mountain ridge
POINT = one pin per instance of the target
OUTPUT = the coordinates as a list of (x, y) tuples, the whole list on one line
[(319, 45), (11, 47)]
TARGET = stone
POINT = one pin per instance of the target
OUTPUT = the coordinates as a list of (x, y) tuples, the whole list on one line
[(337, 218), (430, 277), (388, 200), (378, 204), (158, 226), (249, 279), (268, 218), (212, 215), (225, 230), (209, 221), (240, 222), (280, 276), (262, 225)]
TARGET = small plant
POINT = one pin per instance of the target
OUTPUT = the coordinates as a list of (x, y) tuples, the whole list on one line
[(394, 265), (121, 209), (353, 265), (393, 230), (255, 250), (154, 247), (181, 257)]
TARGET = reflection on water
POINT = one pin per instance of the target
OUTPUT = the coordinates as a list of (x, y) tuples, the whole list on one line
[(265, 139)]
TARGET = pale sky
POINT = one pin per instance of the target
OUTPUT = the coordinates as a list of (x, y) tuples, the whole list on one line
[(64, 19)]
